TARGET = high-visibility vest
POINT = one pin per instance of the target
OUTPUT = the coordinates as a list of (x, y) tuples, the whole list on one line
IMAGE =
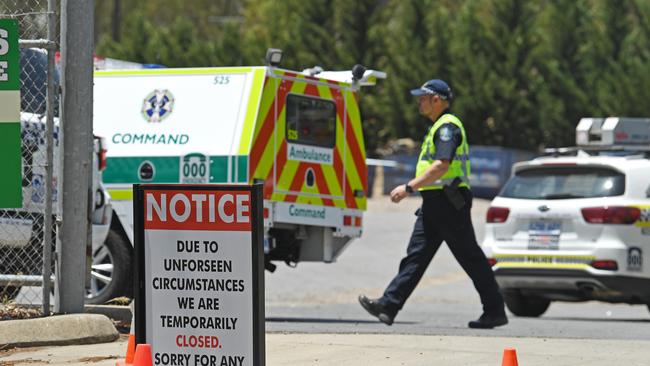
[(459, 167)]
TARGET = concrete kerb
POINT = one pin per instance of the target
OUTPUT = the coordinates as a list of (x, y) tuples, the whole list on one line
[(116, 312), (57, 330), (95, 326)]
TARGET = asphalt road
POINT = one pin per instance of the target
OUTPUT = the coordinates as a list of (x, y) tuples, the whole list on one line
[(322, 298)]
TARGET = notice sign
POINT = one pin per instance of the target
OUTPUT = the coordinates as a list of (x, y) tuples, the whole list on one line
[(200, 267), (11, 164)]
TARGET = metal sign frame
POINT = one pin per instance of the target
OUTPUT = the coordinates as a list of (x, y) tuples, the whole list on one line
[(257, 259)]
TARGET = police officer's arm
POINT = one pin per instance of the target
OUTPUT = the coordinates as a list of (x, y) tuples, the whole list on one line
[(447, 139), (432, 174)]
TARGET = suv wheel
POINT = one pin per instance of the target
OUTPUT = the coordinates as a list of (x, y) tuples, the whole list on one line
[(526, 306), (110, 274)]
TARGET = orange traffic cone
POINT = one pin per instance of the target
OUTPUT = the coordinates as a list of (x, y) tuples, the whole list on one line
[(509, 357), (130, 353), (130, 349), (143, 355)]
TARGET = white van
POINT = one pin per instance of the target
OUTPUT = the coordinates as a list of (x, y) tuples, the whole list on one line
[(299, 134)]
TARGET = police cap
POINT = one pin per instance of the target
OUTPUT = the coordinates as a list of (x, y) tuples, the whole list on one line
[(434, 87)]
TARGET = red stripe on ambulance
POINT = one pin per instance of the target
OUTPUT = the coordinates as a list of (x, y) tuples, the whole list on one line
[(348, 194), (321, 182), (280, 161), (353, 145), (265, 133)]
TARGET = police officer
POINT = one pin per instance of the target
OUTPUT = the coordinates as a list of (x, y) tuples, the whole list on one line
[(442, 174)]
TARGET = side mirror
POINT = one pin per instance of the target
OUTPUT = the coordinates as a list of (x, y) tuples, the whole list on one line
[(647, 192)]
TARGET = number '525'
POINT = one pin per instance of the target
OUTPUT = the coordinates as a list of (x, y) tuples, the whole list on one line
[(221, 80)]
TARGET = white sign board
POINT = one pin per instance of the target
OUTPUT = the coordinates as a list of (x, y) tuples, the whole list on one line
[(200, 272)]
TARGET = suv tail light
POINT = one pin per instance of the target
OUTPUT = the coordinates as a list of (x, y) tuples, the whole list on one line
[(497, 214), (609, 265), (102, 159), (611, 215), (101, 155)]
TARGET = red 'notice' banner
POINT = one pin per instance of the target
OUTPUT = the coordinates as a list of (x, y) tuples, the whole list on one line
[(197, 210)]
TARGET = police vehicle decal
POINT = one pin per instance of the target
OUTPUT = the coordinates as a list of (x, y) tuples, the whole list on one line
[(644, 219), (543, 261), (634, 259)]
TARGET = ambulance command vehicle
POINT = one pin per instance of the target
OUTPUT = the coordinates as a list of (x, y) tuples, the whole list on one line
[(575, 225), (298, 134)]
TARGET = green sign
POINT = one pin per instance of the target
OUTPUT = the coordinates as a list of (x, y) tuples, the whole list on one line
[(10, 164)]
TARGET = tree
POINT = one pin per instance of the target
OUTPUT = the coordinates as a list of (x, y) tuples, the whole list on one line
[(333, 34), (523, 72), (622, 88), (497, 63), (172, 32), (569, 28), (413, 38)]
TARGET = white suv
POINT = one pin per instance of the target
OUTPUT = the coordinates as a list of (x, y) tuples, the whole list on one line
[(576, 227), (21, 230)]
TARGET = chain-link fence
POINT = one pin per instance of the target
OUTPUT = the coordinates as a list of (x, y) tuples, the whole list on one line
[(27, 234)]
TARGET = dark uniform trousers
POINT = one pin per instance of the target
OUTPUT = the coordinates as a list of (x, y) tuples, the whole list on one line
[(439, 221)]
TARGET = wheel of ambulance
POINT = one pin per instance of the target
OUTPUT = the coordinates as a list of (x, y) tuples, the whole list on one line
[(526, 306), (9, 293), (111, 270)]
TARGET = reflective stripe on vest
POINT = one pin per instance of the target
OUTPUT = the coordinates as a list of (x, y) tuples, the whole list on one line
[(459, 166)]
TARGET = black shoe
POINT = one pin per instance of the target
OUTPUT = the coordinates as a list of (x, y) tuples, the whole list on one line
[(376, 309), (489, 321)]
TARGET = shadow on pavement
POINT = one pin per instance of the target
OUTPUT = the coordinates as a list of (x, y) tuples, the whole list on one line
[(328, 321), (604, 320)]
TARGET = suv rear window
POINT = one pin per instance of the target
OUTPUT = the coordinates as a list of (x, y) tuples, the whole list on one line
[(311, 121), (564, 183)]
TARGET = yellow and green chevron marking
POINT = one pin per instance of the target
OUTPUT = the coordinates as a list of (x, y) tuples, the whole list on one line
[(338, 184)]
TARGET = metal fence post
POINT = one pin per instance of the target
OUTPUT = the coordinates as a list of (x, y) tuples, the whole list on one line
[(47, 226), (77, 29)]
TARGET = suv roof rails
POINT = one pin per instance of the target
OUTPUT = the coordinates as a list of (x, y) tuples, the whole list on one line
[(561, 151)]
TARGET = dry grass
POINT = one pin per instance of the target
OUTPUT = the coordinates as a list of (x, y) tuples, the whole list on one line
[(12, 311), (119, 301)]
